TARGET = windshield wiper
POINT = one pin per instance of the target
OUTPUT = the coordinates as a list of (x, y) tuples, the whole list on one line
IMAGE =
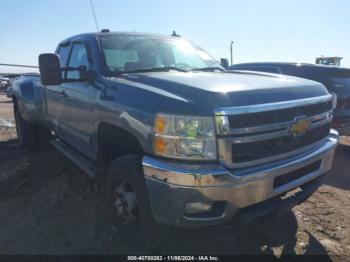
[(152, 69), (209, 69)]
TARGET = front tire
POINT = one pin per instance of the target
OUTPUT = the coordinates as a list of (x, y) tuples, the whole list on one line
[(128, 206)]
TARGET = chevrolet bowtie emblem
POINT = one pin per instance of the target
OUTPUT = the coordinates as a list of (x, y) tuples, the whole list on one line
[(299, 127)]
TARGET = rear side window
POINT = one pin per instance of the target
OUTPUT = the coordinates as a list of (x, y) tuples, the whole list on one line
[(78, 58)]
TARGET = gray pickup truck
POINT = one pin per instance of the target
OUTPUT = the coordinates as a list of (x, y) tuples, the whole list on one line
[(176, 139)]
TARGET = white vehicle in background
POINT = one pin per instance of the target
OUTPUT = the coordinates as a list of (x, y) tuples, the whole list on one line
[(4, 82)]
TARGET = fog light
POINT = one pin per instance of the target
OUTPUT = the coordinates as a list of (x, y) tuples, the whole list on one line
[(198, 207)]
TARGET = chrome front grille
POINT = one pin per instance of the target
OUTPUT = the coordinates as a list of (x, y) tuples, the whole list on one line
[(256, 150), (257, 134), (277, 116)]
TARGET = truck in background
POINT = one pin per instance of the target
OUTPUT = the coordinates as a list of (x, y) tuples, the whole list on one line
[(335, 79)]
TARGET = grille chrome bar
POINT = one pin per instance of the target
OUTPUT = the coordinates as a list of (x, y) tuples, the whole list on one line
[(223, 111), (284, 132), (272, 127)]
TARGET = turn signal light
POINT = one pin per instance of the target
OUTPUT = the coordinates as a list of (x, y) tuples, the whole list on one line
[(160, 145), (160, 124)]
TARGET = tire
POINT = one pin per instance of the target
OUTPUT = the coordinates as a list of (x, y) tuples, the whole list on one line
[(133, 217), (27, 133), (44, 137), (30, 136)]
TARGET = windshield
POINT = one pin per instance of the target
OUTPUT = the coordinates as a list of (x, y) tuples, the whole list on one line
[(137, 52)]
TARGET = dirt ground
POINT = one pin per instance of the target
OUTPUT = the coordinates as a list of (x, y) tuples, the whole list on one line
[(48, 206)]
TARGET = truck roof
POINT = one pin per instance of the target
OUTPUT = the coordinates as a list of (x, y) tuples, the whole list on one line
[(97, 34)]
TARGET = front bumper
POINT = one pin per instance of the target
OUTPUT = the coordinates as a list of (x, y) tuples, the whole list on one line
[(234, 193)]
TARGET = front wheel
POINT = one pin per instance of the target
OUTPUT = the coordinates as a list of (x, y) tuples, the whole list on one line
[(128, 206)]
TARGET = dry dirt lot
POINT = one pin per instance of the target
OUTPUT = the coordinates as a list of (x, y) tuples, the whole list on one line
[(48, 206)]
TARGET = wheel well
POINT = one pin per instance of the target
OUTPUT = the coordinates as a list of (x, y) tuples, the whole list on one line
[(114, 142)]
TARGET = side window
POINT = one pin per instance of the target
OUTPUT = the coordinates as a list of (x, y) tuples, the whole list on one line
[(78, 58), (63, 52)]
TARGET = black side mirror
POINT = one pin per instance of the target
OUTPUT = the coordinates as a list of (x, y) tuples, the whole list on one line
[(50, 69), (224, 63)]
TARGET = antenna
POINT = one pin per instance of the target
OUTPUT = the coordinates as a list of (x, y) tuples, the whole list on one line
[(93, 12)]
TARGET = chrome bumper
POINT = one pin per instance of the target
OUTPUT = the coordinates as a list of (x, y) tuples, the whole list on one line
[(172, 184)]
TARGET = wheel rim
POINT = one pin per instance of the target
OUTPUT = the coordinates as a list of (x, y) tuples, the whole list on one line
[(125, 204)]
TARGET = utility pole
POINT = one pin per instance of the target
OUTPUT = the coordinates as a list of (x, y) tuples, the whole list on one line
[(231, 51)]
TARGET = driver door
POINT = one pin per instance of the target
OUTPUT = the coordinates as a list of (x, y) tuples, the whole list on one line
[(79, 102), (54, 101)]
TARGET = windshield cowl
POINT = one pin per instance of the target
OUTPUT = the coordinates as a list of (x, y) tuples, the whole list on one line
[(167, 69)]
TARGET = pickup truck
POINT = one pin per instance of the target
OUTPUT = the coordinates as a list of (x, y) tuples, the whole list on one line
[(176, 139), (335, 78)]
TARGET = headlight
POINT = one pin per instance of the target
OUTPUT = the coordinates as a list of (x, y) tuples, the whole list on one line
[(185, 137)]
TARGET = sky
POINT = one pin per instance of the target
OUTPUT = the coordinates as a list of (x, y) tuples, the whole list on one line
[(269, 30)]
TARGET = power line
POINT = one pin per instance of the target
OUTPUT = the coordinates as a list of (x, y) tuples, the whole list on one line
[(93, 12), (29, 66)]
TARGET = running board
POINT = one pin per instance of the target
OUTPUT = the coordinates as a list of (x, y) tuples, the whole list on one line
[(85, 164)]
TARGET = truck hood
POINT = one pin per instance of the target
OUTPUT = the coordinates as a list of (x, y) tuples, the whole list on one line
[(222, 89)]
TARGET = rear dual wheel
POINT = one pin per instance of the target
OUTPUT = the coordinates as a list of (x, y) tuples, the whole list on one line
[(30, 136)]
